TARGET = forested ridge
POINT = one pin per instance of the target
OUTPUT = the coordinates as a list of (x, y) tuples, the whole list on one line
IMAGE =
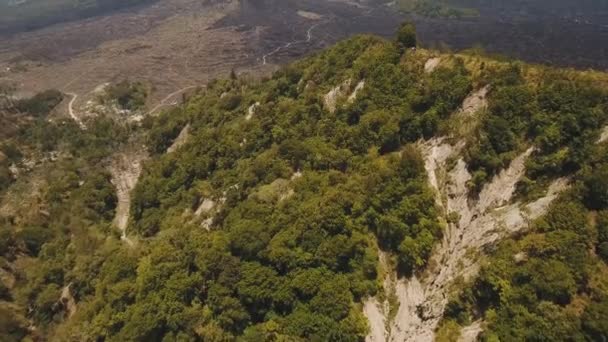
[(267, 223)]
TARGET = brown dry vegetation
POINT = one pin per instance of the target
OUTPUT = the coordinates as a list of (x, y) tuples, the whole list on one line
[(167, 45)]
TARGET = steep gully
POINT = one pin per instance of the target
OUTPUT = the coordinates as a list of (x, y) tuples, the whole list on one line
[(125, 169), (126, 166), (482, 222)]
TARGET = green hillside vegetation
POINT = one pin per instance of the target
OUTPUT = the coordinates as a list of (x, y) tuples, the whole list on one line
[(303, 197), (40, 104), (126, 94), (15, 113)]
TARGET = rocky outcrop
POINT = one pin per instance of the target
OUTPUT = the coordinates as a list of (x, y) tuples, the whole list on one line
[(67, 301), (603, 135), (330, 100), (353, 96), (125, 169), (341, 91), (251, 111), (474, 225), (471, 332), (475, 102), (481, 223), (431, 64)]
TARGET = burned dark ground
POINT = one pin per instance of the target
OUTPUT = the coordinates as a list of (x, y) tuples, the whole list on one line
[(562, 32)]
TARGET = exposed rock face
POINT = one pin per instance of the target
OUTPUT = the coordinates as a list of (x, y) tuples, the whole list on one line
[(482, 222), (331, 98), (353, 96), (374, 311), (603, 136), (125, 169), (206, 207), (475, 102), (251, 111), (68, 301), (471, 332), (431, 64)]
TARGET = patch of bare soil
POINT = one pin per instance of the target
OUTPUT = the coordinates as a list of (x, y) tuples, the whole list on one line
[(67, 301), (475, 102), (603, 135), (125, 167), (181, 139), (431, 64), (481, 223), (170, 45)]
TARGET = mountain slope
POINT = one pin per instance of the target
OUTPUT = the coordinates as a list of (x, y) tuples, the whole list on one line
[(354, 195)]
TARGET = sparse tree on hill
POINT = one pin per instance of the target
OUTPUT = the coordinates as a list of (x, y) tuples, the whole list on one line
[(406, 36)]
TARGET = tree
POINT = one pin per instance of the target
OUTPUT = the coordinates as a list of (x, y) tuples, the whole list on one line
[(594, 321), (597, 188), (406, 37)]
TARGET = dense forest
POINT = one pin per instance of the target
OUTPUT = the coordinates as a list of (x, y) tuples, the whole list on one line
[(268, 222)]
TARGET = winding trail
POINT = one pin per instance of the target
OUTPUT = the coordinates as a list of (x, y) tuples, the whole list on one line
[(71, 110), (163, 103), (308, 39)]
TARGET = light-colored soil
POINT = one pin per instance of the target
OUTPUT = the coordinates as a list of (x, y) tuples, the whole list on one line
[(125, 168), (71, 110), (603, 136), (353, 96), (471, 332), (475, 102), (68, 301), (181, 139), (170, 45), (330, 100), (482, 222), (251, 111), (431, 64), (374, 311), (309, 15)]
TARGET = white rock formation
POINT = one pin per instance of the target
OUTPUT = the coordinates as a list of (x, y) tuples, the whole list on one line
[(331, 98), (353, 96), (431, 64), (422, 298), (251, 111), (125, 169), (475, 102)]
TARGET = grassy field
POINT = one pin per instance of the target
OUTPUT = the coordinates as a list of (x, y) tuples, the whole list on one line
[(22, 15)]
